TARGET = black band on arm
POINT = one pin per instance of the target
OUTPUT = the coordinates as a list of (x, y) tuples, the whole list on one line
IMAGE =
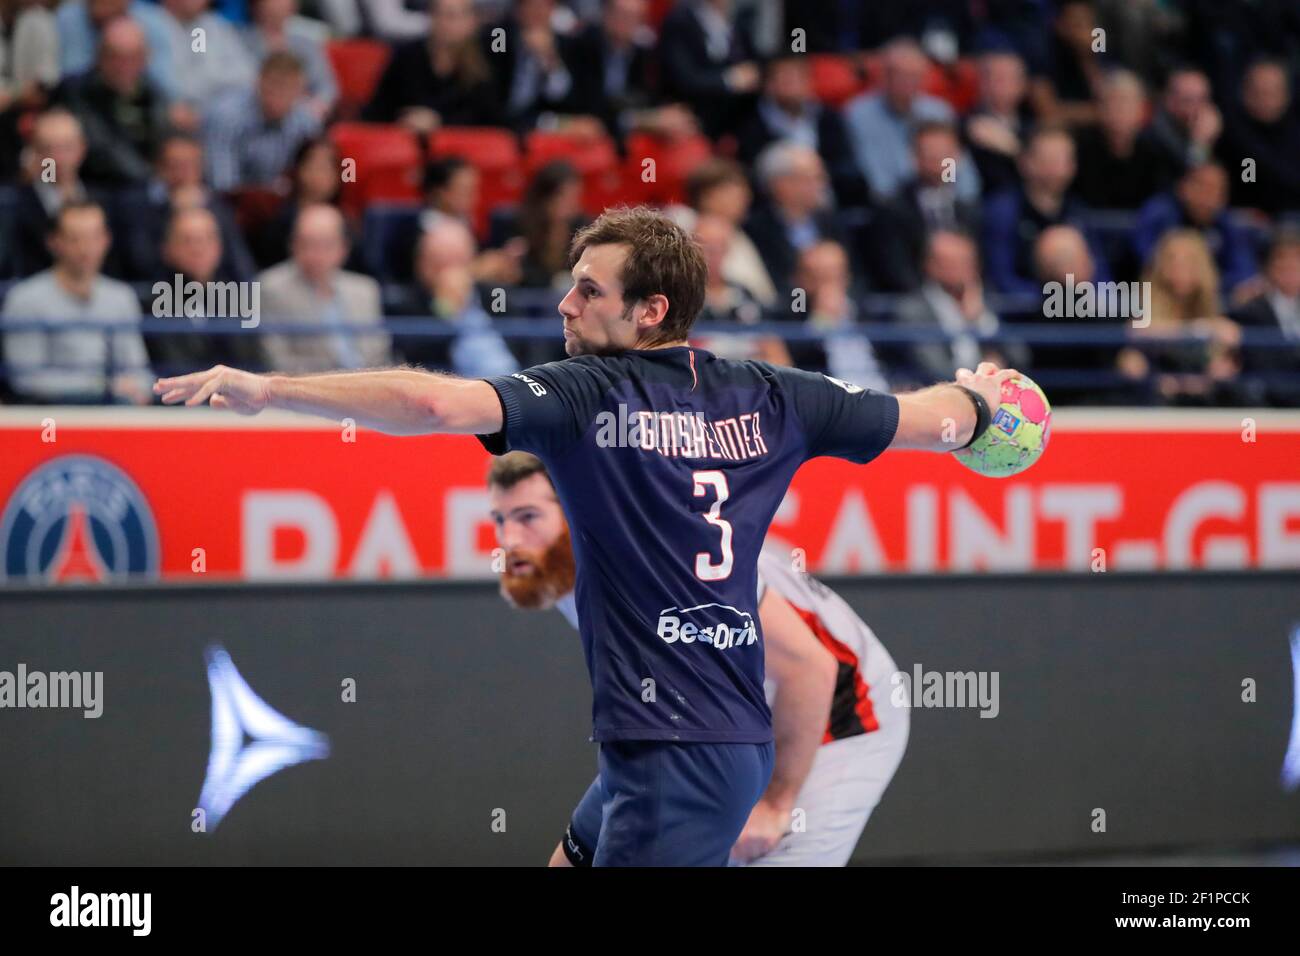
[(982, 414), (576, 851)]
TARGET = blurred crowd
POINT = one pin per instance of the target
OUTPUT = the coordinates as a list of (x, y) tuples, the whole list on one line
[(926, 167)]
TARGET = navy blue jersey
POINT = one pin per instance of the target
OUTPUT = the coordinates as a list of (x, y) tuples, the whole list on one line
[(669, 464)]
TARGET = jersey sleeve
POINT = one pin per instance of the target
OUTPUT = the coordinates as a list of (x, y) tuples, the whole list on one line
[(840, 419), (544, 409)]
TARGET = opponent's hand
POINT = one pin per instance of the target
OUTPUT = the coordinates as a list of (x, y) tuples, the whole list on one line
[(987, 380), (766, 825), (222, 387)]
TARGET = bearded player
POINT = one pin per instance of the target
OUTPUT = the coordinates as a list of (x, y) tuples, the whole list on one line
[(838, 737), (668, 515)]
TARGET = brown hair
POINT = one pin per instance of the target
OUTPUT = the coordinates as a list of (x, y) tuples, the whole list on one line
[(662, 259), (711, 174), (68, 208), (1166, 309), (281, 63), (547, 238), (469, 65), (1284, 240), (1045, 130), (510, 469)]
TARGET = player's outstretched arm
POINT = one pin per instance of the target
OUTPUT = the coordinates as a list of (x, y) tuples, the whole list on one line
[(943, 417), (398, 401)]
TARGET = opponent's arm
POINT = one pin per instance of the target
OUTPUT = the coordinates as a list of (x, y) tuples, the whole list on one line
[(943, 417), (804, 672), (398, 401)]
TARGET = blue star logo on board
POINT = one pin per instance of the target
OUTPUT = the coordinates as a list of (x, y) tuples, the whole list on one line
[(250, 740), (77, 518)]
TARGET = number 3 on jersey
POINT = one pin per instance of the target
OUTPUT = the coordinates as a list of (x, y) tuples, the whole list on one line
[(705, 568)]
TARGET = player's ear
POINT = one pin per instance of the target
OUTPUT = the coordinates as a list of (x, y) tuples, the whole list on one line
[(656, 310)]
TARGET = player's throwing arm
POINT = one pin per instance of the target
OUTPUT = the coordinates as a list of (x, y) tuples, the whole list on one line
[(997, 420)]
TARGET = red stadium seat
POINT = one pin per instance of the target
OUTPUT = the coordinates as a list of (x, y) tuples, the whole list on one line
[(595, 159), (495, 154), (487, 147), (675, 159), (658, 10), (586, 154), (835, 79), (358, 65), (255, 206), (958, 84), (389, 164)]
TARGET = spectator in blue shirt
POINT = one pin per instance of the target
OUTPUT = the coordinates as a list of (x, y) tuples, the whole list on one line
[(1199, 201), (881, 124), (1013, 220)]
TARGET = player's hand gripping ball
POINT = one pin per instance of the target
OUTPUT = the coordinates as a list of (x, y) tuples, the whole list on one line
[(1016, 436)]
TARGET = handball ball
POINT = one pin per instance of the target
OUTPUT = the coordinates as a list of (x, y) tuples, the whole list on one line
[(1017, 435)]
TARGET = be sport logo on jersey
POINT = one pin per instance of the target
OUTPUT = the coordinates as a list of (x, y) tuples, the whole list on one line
[(78, 519), (720, 625)]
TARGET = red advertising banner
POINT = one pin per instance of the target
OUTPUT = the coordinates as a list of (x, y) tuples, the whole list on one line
[(108, 494)]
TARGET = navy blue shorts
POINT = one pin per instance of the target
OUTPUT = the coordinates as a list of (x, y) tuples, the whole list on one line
[(660, 803)]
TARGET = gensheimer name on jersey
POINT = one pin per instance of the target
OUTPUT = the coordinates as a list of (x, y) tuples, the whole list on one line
[(666, 546)]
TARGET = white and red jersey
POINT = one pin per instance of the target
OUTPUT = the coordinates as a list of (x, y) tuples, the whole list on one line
[(863, 661)]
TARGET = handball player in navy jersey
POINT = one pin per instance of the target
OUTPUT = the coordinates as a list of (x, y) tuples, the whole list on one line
[(670, 464)]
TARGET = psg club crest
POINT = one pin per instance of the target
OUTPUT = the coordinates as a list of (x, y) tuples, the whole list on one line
[(77, 519)]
